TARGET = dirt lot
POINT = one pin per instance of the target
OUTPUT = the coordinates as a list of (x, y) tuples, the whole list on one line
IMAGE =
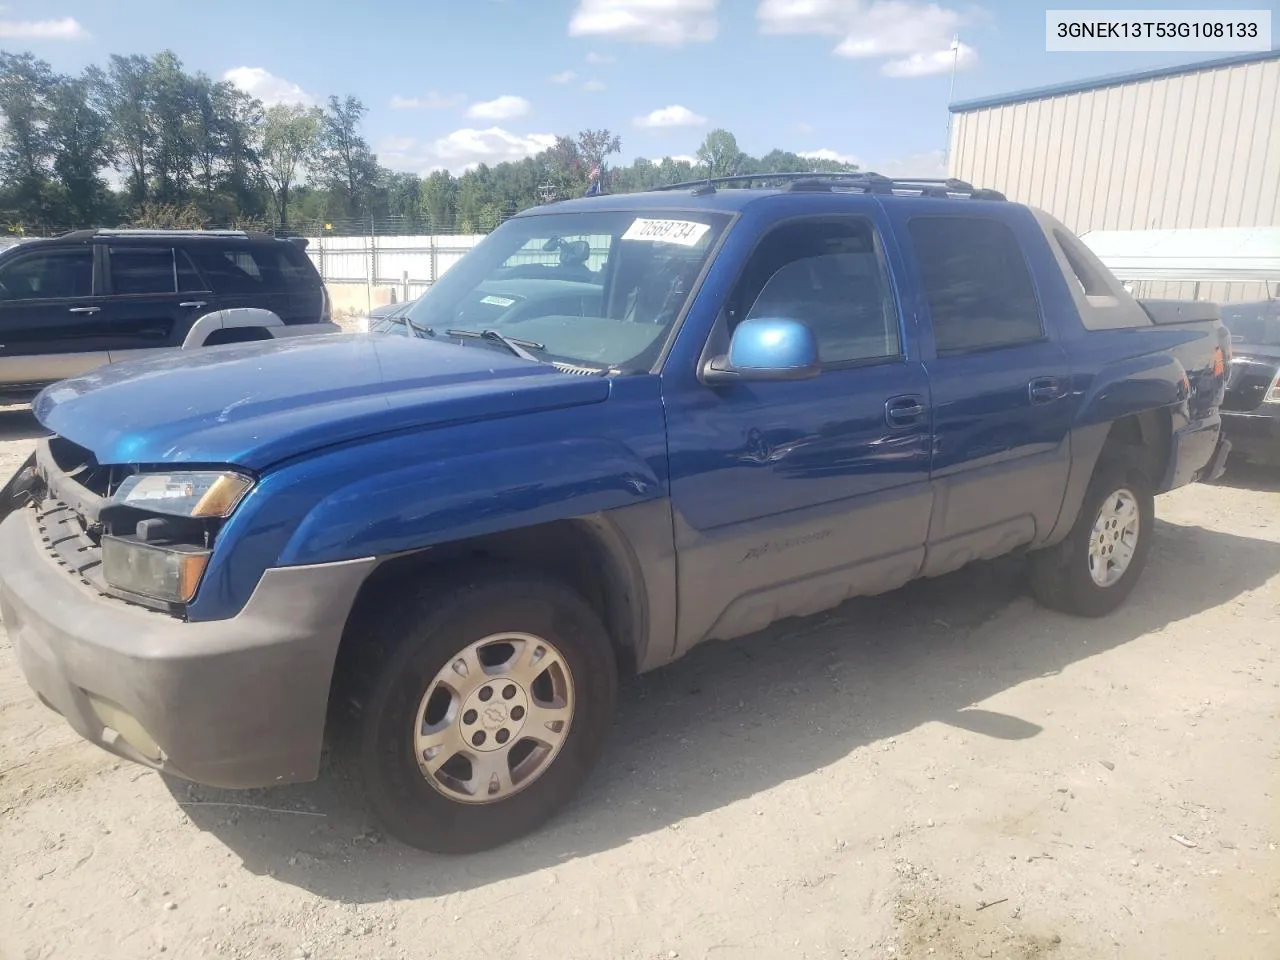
[(947, 772)]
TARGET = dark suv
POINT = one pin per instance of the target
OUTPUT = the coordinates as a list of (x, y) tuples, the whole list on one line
[(75, 302)]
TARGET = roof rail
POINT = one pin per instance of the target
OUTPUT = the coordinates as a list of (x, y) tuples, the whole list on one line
[(863, 182), (150, 232)]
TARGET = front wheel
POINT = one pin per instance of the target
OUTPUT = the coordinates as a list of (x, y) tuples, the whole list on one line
[(485, 711), (1093, 570)]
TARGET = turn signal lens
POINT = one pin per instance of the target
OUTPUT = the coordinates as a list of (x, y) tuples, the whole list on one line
[(164, 573)]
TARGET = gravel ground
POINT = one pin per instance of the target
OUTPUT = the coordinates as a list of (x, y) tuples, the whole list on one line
[(948, 771)]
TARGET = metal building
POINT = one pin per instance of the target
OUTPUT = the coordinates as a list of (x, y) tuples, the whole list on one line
[(1194, 146)]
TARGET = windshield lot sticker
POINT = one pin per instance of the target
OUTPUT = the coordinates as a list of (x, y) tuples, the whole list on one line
[(496, 301), (685, 233)]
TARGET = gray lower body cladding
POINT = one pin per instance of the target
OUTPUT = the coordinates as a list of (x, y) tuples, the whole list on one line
[(233, 703)]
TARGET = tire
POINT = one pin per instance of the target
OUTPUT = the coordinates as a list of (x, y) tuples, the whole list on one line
[(411, 646), (1061, 576)]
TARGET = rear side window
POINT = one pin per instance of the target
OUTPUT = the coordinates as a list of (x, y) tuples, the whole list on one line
[(976, 282), (251, 269), (141, 270), (295, 266)]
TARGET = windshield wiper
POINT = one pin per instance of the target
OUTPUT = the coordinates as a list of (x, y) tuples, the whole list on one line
[(517, 346), (415, 326)]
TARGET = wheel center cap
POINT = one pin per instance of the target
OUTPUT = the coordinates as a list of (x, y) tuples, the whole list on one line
[(494, 714)]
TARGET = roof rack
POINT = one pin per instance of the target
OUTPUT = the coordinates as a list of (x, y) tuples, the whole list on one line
[(862, 182), (153, 232)]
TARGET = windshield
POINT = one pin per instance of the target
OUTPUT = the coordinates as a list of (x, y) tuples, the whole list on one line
[(1255, 323), (597, 288)]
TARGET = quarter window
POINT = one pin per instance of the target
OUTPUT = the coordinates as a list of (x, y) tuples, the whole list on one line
[(976, 282)]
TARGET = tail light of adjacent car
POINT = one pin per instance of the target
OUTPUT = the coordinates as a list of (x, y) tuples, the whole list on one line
[(1273, 391)]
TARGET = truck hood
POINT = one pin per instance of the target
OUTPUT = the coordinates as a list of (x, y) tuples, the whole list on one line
[(256, 404)]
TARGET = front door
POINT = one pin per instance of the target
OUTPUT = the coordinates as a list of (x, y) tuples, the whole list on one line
[(51, 324), (789, 497)]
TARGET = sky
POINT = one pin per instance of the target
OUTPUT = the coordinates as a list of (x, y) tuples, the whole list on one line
[(450, 83)]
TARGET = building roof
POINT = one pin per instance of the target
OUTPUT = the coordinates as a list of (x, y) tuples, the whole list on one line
[(1114, 80), (1228, 254)]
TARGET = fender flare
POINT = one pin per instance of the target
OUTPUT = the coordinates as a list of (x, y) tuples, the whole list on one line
[(235, 317), (1136, 385)]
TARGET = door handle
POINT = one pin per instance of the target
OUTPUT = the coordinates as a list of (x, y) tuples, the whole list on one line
[(903, 411), (193, 304), (84, 310), (1043, 390)]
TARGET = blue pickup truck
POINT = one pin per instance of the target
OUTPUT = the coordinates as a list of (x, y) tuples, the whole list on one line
[(734, 403)]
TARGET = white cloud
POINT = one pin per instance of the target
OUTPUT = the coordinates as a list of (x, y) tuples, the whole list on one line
[(804, 129), (431, 101), (928, 64), (913, 38), (593, 57), (564, 76), (461, 150), (684, 158), (828, 154), (500, 108), (64, 28), (670, 22), (267, 87), (593, 86), (673, 116)]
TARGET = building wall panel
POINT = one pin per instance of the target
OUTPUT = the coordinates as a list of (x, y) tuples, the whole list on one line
[(1195, 149)]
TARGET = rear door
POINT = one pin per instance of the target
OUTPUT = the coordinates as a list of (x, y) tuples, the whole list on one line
[(155, 296), (1000, 387), (245, 274), (52, 325)]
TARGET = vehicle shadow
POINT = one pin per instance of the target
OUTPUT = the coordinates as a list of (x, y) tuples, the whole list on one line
[(19, 423), (734, 719), (1242, 475)]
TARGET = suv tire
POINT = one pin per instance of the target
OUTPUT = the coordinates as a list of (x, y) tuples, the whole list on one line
[(420, 698), (1094, 569)]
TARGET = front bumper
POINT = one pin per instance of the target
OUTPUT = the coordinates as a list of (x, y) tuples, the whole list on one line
[(1254, 436), (230, 703)]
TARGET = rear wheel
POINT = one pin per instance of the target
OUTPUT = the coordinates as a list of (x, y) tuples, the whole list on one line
[(487, 704), (1093, 570)]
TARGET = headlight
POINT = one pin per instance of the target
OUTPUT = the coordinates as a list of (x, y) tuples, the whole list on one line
[(166, 573), (186, 494)]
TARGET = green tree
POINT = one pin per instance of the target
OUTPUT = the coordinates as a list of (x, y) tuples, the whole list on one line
[(26, 150), (720, 155), (290, 134), (128, 99), (80, 137), (438, 201), (344, 166), (595, 147)]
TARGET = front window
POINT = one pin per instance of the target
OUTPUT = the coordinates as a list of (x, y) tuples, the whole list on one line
[(48, 275), (602, 288)]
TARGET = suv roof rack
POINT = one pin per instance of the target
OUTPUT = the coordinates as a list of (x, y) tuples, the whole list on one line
[(156, 232), (862, 182)]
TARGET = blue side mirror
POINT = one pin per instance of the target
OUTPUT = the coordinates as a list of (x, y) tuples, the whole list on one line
[(767, 348)]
